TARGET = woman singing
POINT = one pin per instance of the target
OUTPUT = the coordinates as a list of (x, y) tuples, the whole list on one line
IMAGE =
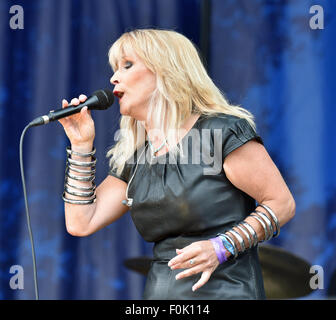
[(188, 165)]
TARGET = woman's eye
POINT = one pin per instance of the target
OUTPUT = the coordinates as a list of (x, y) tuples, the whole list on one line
[(128, 64)]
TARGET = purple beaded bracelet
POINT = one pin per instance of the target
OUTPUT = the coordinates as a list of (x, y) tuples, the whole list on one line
[(219, 248)]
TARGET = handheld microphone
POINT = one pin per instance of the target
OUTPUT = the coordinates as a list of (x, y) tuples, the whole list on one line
[(100, 100)]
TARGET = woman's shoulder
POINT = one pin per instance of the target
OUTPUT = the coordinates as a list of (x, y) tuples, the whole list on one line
[(221, 121), (233, 131)]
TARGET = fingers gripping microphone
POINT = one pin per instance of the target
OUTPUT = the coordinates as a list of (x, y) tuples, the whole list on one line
[(100, 100)]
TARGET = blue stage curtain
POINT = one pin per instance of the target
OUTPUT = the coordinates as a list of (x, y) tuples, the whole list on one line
[(267, 58), (61, 53)]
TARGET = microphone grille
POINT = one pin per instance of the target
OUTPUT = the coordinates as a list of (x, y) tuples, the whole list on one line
[(105, 98)]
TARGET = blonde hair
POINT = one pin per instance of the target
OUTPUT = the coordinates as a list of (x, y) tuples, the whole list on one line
[(183, 87)]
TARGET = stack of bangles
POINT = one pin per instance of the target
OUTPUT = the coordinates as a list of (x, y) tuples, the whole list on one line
[(226, 241), (81, 182)]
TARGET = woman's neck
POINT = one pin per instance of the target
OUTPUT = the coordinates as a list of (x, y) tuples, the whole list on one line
[(157, 136)]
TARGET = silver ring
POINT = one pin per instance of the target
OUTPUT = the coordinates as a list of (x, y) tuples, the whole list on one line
[(191, 261)]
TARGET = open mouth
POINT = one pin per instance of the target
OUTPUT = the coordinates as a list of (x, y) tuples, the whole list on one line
[(118, 94)]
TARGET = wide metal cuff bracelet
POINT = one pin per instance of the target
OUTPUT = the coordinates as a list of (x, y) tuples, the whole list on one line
[(79, 193), (83, 163), (86, 191), (93, 170), (239, 239), (274, 217), (245, 233), (268, 223), (255, 216), (79, 154), (80, 178), (81, 188), (227, 244), (228, 238), (76, 201), (250, 229)]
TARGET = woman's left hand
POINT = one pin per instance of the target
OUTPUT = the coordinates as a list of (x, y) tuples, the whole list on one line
[(197, 257)]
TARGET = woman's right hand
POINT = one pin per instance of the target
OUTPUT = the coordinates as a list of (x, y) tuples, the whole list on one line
[(79, 127)]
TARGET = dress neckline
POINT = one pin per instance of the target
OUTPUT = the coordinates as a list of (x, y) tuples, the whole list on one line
[(183, 138)]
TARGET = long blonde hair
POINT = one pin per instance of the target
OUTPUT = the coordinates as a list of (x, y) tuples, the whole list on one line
[(183, 87)]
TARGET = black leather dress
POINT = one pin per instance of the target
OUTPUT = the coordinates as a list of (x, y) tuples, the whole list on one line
[(181, 199)]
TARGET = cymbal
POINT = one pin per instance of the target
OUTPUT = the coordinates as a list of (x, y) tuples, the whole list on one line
[(285, 275)]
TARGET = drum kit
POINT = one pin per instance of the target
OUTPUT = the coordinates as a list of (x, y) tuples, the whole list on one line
[(286, 276)]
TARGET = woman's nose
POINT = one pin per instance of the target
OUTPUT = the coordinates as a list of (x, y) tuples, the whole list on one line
[(114, 79)]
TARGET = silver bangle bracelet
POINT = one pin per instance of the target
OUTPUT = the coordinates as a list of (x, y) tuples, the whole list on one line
[(83, 163), (80, 178), (255, 216), (93, 170), (82, 188), (73, 201), (274, 217), (247, 235), (228, 238), (79, 193), (239, 238), (83, 155), (267, 221), (250, 229)]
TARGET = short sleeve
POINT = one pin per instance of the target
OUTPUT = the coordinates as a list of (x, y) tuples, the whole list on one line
[(129, 166), (237, 133), (124, 176)]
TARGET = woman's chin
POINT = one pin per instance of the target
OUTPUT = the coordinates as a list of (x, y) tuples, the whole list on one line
[(130, 112), (124, 111)]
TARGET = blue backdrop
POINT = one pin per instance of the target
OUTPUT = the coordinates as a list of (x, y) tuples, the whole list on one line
[(262, 54)]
